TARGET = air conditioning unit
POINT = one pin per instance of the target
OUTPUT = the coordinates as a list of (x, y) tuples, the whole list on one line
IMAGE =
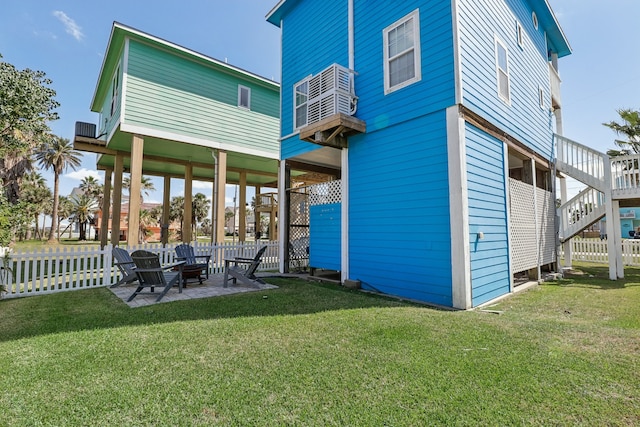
[(331, 92), (87, 130)]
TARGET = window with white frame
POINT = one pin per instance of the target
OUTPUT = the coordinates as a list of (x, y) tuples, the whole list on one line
[(300, 103), (402, 52), (502, 69), (244, 97), (115, 89)]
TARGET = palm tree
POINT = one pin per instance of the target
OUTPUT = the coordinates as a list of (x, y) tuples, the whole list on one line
[(58, 155), (146, 185), (65, 209), (83, 210), (37, 196), (176, 211), (630, 128), (146, 221), (92, 187), (199, 211)]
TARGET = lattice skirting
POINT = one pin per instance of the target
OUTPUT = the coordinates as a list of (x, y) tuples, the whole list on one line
[(526, 253)]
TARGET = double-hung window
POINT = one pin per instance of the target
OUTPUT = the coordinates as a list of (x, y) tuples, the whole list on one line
[(300, 103), (244, 97), (402, 52), (502, 69)]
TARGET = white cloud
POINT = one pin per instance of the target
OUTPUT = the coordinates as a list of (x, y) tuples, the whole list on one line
[(82, 173), (202, 185), (69, 24)]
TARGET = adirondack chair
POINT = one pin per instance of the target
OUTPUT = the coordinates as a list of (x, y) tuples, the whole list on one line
[(193, 268), (243, 269), (125, 265), (151, 274)]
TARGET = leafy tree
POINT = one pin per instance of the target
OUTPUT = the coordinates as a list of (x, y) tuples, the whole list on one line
[(58, 155), (27, 104), (5, 221), (629, 128)]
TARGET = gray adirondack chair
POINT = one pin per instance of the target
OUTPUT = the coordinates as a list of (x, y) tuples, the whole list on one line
[(192, 267), (151, 274), (243, 269), (126, 266)]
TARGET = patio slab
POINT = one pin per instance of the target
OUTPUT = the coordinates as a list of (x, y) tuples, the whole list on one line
[(212, 287)]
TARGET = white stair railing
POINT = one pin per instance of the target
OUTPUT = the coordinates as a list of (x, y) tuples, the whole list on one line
[(581, 162), (584, 209), (625, 175)]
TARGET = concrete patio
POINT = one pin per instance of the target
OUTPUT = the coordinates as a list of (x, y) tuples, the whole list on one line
[(211, 287)]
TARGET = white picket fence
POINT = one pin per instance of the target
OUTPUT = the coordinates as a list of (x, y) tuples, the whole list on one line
[(595, 250), (68, 268)]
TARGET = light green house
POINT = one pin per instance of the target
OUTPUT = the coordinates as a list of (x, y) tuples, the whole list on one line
[(168, 111)]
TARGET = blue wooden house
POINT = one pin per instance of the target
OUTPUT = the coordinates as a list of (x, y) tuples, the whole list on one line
[(428, 126)]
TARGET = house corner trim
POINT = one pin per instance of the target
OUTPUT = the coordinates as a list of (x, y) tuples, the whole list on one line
[(458, 210)]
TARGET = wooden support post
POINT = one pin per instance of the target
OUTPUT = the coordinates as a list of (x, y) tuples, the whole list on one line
[(256, 214), (242, 223), (188, 207), (117, 198), (135, 184), (166, 210), (106, 205), (221, 184)]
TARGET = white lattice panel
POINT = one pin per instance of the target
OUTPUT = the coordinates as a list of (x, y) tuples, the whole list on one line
[(546, 219), (524, 252), (325, 193)]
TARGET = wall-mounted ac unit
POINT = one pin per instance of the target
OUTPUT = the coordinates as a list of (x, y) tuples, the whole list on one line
[(331, 92), (87, 130)]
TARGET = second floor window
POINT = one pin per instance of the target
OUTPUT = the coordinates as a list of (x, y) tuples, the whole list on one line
[(244, 97), (114, 91), (402, 52), (502, 69), (300, 98)]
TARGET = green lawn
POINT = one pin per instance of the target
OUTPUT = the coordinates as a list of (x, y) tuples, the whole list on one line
[(564, 353)]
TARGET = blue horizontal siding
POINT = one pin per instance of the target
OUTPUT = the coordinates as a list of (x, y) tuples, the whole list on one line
[(487, 214), (293, 146), (434, 92), (324, 236), (480, 21), (314, 36), (399, 240)]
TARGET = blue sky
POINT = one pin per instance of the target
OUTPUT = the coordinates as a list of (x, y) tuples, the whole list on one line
[(67, 40)]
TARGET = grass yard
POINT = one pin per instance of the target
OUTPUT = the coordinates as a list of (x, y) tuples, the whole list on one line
[(564, 353)]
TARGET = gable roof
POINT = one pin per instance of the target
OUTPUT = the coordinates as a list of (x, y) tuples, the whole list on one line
[(117, 38), (558, 42)]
